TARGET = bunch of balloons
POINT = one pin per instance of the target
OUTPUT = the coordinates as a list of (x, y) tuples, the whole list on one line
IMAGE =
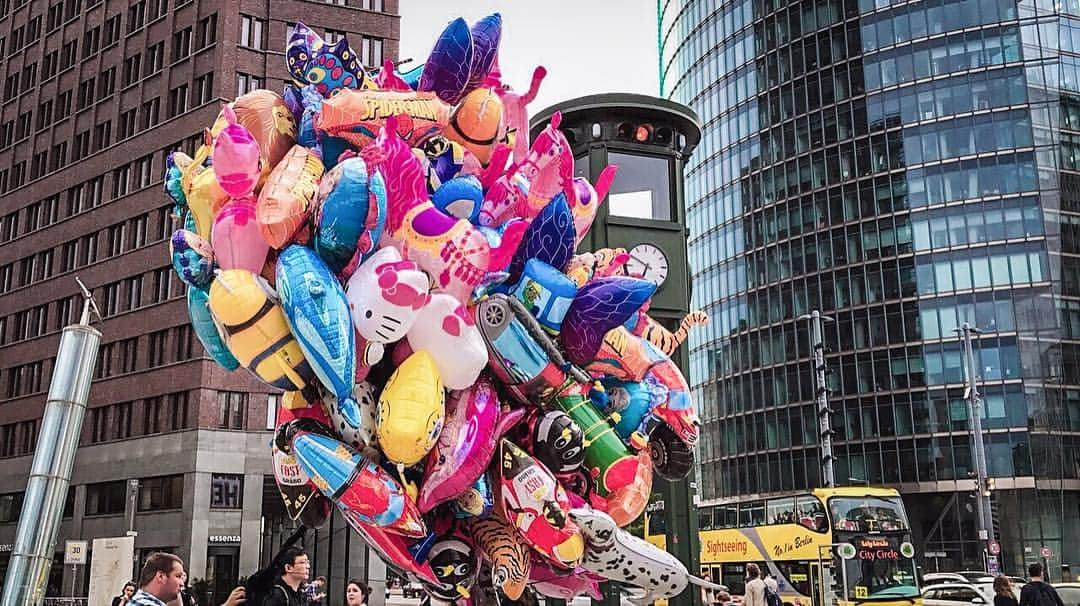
[(394, 253)]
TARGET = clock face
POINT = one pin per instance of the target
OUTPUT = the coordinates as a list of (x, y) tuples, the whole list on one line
[(648, 262)]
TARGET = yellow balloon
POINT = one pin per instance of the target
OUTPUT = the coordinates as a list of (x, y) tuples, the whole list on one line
[(255, 330), (411, 410)]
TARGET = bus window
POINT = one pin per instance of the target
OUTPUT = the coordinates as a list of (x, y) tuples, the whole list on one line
[(780, 511), (868, 514), (752, 514), (812, 514), (705, 518), (797, 574), (733, 575), (730, 515)]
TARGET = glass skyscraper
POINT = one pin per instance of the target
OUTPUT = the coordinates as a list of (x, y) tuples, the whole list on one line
[(903, 168)]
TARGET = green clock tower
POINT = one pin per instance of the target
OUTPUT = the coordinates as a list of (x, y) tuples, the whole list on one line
[(650, 140)]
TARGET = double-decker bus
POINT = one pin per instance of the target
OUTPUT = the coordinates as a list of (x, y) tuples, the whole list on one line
[(857, 539)]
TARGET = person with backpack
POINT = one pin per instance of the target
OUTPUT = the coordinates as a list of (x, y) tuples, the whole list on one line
[(772, 591), (755, 587), (295, 570), (1038, 592)]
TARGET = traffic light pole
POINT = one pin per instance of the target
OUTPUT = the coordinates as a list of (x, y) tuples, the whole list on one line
[(975, 412)]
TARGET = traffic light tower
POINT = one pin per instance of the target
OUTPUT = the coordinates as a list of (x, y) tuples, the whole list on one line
[(650, 140)]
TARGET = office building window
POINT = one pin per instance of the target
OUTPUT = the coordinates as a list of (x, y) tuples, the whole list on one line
[(204, 88), (272, 402), (178, 410), (111, 33), (246, 83), (232, 405), (226, 491), (252, 32), (163, 492), (207, 32), (155, 59), (178, 100), (152, 415), (106, 498), (181, 44), (12, 502)]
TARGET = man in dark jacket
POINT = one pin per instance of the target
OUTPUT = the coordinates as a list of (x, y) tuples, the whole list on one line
[(295, 570), (1038, 592)]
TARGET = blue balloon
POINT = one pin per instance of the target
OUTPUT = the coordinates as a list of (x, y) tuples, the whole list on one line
[(318, 314), (460, 197), (198, 302), (352, 214), (546, 292)]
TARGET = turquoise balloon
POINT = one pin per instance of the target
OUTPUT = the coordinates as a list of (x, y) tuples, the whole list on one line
[(203, 322), (351, 216), (318, 315)]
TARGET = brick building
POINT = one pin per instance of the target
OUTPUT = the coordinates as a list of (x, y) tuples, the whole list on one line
[(96, 94)]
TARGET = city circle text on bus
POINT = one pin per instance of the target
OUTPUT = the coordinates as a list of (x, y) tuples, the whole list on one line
[(876, 549)]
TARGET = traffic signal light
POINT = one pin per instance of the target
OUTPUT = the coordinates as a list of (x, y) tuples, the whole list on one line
[(645, 132)]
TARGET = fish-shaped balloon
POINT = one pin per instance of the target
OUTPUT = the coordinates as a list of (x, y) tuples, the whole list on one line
[(465, 445), (318, 315), (198, 301), (349, 215), (600, 306), (356, 484)]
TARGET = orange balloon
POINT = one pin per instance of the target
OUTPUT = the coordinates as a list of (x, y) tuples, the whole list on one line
[(265, 114), (285, 200), (357, 115), (477, 123)]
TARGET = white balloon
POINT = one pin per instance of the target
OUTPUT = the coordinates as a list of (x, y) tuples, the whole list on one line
[(446, 330), (385, 296)]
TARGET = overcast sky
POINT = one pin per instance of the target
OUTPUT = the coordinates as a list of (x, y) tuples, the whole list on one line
[(587, 46)]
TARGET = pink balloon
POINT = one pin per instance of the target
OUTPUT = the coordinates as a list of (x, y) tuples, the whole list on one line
[(236, 158), (562, 585), (238, 244), (466, 444)]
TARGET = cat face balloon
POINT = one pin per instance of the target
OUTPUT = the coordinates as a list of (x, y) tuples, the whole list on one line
[(386, 295)]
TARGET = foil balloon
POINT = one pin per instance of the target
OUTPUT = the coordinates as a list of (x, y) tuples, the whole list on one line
[(525, 189), (562, 584), (256, 331), (202, 194), (192, 258), (318, 315), (198, 302), (534, 503), (411, 410), (386, 294), (476, 501), (619, 556), (586, 200), (356, 116), (663, 339), (460, 197), (600, 306), (285, 201), (557, 441), (546, 293), (392, 548), (465, 445), (350, 212), (388, 79), (456, 254), (456, 565), (549, 239), (293, 483), (445, 160), (362, 438), (264, 114), (447, 69), (445, 329), (486, 35), (476, 123), (355, 484), (602, 263), (240, 243), (501, 545), (328, 67), (516, 117), (236, 157)]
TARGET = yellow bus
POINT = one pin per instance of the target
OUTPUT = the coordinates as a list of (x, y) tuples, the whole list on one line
[(855, 539)]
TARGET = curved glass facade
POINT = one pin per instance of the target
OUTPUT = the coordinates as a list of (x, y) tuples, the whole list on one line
[(903, 168)]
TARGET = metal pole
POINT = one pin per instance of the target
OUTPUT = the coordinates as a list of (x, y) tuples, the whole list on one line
[(975, 411), (54, 456), (821, 395)]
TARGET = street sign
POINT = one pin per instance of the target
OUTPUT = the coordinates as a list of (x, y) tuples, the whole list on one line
[(994, 548), (1046, 553), (845, 550), (75, 553), (935, 554)]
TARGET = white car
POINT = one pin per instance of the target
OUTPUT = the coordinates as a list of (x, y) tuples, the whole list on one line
[(954, 594), (937, 578)]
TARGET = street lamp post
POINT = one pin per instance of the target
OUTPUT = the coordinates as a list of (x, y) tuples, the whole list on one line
[(975, 412), (821, 394)]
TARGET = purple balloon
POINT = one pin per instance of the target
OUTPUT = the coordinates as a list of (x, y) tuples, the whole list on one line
[(600, 306), (486, 34), (447, 69)]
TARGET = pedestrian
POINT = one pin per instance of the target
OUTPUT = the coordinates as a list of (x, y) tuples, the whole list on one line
[(772, 591), (317, 591), (1004, 595), (1037, 592), (160, 581), (295, 568), (125, 594), (356, 593), (755, 587)]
